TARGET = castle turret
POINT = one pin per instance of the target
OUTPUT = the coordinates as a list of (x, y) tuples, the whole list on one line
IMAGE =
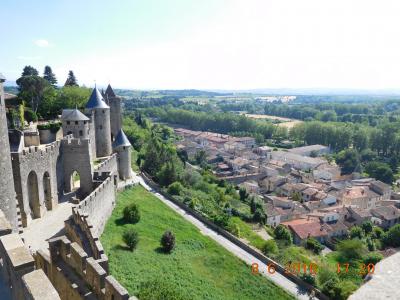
[(76, 123), (122, 147), (115, 111), (101, 117), (8, 203)]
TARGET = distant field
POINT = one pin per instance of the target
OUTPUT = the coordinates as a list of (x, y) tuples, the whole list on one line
[(285, 122), (197, 269)]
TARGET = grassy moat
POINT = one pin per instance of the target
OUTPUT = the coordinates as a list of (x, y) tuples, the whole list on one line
[(198, 268)]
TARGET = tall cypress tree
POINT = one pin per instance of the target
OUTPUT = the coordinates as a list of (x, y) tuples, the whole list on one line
[(71, 80), (49, 75)]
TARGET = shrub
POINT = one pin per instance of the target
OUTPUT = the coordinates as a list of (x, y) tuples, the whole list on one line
[(314, 245), (168, 241), (131, 238), (221, 220), (343, 289), (131, 213), (307, 277), (377, 232), (259, 216), (367, 227), (270, 247), (392, 237), (53, 126), (325, 275), (159, 289), (282, 233), (350, 249), (30, 115), (175, 188), (356, 232), (372, 258)]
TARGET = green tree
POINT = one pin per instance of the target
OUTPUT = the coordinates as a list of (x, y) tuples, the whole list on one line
[(243, 194), (71, 79), (367, 227), (282, 233), (49, 75), (348, 160), (31, 89), (201, 158), (392, 237), (29, 71), (131, 239), (380, 171)]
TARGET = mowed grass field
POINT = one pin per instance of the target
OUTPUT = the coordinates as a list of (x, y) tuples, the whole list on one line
[(198, 268)]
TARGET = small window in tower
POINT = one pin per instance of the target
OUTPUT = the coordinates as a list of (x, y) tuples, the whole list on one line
[(76, 122), (84, 122), (104, 111), (68, 122), (101, 127), (80, 132)]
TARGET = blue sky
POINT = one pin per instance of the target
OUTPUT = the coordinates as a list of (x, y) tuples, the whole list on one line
[(206, 44)]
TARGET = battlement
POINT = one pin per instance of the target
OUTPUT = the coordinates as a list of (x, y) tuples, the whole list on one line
[(19, 270), (39, 150), (71, 141), (109, 164), (98, 205), (86, 233), (73, 272)]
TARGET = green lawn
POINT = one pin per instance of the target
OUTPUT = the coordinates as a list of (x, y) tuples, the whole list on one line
[(197, 269)]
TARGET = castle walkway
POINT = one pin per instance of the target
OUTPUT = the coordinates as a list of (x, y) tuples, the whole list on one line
[(50, 225)]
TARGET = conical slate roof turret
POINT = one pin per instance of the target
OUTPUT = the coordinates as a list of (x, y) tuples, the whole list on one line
[(109, 92), (121, 140), (96, 100), (73, 115)]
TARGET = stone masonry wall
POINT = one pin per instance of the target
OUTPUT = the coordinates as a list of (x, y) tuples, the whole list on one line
[(100, 203), (40, 162), (77, 157), (108, 165), (77, 276), (8, 203), (18, 270)]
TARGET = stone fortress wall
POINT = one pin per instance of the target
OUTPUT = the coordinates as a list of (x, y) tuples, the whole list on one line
[(75, 275), (37, 173), (34, 179)]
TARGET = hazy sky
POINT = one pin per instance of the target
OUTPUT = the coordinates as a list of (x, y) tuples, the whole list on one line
[(206, 44)]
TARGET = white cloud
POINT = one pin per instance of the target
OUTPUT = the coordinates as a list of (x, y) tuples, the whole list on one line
[(42, 43)]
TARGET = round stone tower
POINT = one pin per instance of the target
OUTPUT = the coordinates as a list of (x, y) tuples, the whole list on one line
[(115, 111), (8, 203), (76, 123), (101, 114), (122, 147)]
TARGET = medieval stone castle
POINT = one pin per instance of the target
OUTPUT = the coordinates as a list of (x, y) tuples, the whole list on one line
[(40, 169)]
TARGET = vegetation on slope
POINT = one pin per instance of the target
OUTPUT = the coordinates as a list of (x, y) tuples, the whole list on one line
[(198, 268)]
